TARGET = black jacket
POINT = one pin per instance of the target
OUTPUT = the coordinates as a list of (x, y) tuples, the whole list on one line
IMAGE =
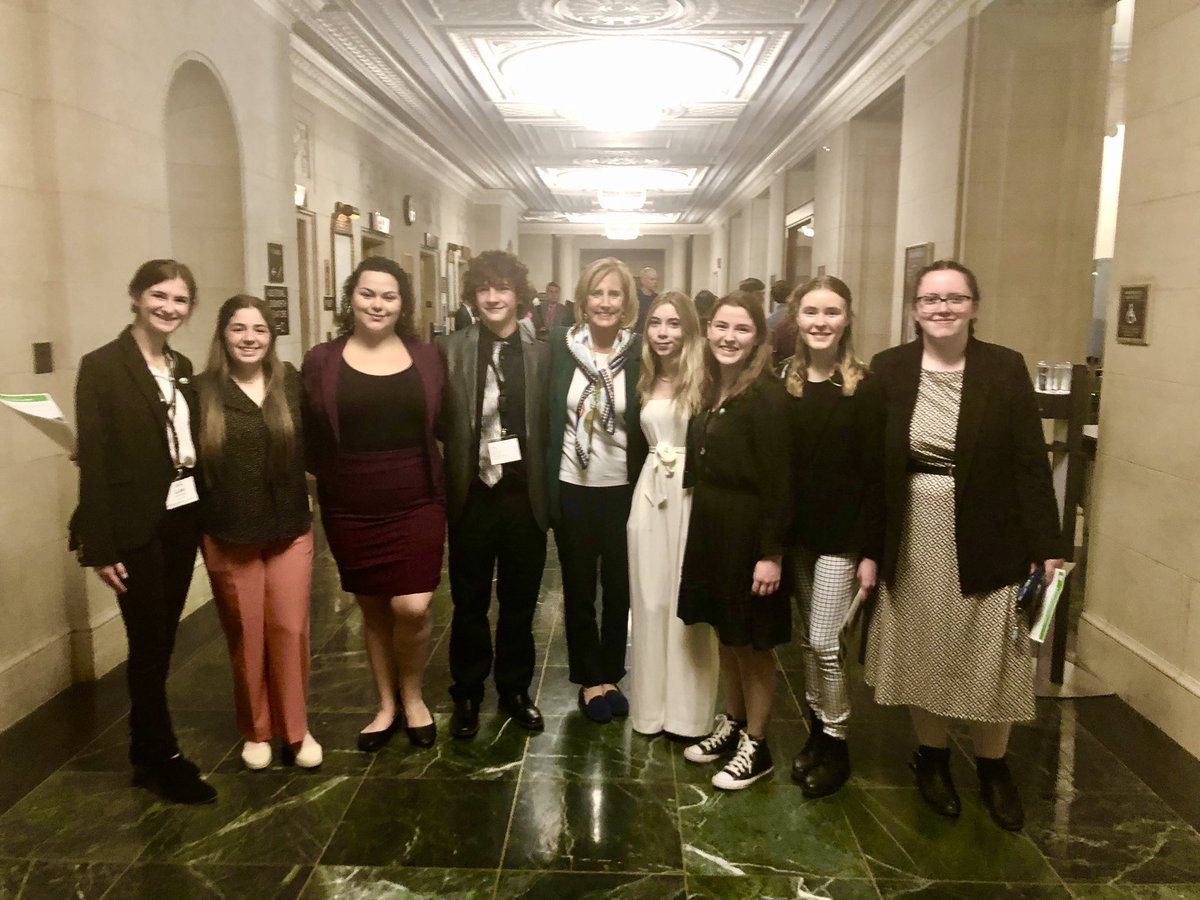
[(460, 420), (1006, 515), (125, 467), (837, 479)]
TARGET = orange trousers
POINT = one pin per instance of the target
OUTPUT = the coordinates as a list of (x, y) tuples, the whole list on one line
[(262, 594)]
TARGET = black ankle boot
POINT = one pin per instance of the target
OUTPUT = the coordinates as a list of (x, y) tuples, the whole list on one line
[(812, 751), (828, 775), (932, 767), (1000, 794)]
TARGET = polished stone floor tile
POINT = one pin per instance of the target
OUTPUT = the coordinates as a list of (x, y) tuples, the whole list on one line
[(588, 886), (599, 826), (264, 818), (970, 890), (902, 838), (341, 682), (494, 754), (378, 883), (778, 887), (82, 816), (33, 879), (423, 822), (206, 737), (1135, 891), (204, 682), (578, 749), (192, 882), (763, 830), (1117, 838)]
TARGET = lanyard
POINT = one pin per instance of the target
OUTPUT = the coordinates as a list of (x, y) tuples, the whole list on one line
[(170, 407)]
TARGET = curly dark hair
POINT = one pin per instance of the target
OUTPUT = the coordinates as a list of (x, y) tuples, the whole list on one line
[(496, 267), (404, 324)]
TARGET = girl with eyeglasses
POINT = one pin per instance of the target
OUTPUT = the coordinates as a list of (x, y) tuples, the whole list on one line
[(969, 512)]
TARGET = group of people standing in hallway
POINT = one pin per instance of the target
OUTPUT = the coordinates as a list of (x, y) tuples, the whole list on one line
[(693, 492)]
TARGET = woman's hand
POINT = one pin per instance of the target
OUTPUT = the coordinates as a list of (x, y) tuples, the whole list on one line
[(113, 576), (1052, 566), (868, 574), (767, 573)]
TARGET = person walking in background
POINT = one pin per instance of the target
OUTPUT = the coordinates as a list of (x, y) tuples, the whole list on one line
[(594, 455), (495, 443), (258, 543), (673, 686), (705, 301), (372, 404), (781, 293), (838, 498), (969, 512), (738, 460), (137, 525)]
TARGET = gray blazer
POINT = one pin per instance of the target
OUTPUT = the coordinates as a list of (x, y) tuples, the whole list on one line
[(460, 351)]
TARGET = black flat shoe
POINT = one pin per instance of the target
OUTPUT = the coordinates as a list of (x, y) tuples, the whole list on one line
[(521, 709), (464, 721), (812, 752), (176, 779), (373, 741), (618, 703), (596, 709), (422, 736)]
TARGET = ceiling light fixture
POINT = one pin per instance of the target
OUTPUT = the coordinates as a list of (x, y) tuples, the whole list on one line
[(620, 84), (807, 230), (345, 211), (622, 231), (586, 179), (621, 200)]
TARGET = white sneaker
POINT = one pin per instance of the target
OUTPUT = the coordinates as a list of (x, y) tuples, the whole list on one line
[(309, 756), (751, 762), (256, 754), (722, 742)]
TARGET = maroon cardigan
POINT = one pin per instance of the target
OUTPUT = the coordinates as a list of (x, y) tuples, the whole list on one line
[(319, 377)]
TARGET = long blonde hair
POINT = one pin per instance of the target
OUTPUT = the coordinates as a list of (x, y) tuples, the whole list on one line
[(281, 430), (758, 363), (849, 367), (689, 379)]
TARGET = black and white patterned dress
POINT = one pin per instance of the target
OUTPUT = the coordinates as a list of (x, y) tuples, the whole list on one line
[(930, 646)]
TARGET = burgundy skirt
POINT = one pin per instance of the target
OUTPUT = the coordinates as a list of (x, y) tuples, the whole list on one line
[(385, 525)]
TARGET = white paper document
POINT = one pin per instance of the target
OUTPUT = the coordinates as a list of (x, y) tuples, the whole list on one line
[(44, 414)]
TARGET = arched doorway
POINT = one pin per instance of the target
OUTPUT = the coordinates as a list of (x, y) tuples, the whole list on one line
[(204, 196)]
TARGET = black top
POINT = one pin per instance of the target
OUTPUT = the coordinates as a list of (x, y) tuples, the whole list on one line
[(1005, 513), (245, 504), (741, 447), (836, 470), (512, 396), (380, 412)]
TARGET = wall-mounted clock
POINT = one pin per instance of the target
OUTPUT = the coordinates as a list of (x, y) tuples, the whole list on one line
[(410, 214)]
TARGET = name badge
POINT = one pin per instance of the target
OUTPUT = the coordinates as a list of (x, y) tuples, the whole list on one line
[(504, 451), (182, 492)]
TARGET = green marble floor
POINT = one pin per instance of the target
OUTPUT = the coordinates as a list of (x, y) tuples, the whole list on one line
[(579, 811)]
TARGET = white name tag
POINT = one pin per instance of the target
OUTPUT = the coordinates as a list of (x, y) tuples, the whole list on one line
[(504, 451), (182, 492)]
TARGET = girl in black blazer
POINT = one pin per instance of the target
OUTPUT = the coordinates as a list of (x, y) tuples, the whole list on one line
[(137, 524), (595, 452), (970, 510), (836, 483)]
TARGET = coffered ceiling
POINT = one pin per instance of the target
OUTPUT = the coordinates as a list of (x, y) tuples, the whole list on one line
[(552, 99)]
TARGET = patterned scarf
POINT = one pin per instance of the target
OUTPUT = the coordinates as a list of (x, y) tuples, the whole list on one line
[(596, 404)]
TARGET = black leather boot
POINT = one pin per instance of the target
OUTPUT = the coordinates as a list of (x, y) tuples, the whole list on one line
[(1000, 794), (932, 767), (828, 775), (812, 751)]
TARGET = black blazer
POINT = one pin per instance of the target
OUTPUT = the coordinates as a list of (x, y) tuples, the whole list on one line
[(744, 446), (125, 467), (460, 352), (837, 479), (562, 370), (1006, 515)]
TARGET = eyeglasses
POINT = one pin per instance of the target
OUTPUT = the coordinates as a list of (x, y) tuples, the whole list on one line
[(954, 301)]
